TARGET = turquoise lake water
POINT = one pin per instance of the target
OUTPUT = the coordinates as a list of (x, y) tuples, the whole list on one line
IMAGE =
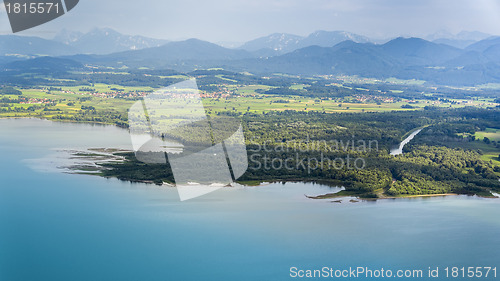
[(56, 226)]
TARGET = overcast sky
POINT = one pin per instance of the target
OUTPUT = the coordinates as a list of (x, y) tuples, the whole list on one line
[(242, 20)]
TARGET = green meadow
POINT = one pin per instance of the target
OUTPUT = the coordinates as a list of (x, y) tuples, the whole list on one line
[(490, 133), (67, 101)]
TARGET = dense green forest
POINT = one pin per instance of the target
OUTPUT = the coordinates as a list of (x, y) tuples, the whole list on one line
[(352, 150)]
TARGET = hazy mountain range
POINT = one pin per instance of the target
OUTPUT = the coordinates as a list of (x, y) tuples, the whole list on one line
[(405, 58), (100, 41), (105, 41), (459, 40), (97, 41), (281, 43), (320, 53)]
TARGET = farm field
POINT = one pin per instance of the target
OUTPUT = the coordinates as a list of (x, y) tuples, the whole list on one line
[(69, 100)]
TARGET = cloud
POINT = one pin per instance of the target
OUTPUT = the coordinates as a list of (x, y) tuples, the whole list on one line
[(241, 20)]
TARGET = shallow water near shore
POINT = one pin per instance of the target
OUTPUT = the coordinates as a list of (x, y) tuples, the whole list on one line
[(57, 226)]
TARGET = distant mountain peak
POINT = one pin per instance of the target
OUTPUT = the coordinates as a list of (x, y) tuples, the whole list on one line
[(178, 54), (460, 40), (106, 31), (67, 37), (409, 43), (462, 35), (281, 43), (105, 41), (484, 44), (323, 32), (339, 35)]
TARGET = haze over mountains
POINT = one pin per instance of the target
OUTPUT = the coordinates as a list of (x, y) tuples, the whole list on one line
[(182, 55), (459, 40), (97, 41), (405, 58), (105, 41), (281, 43), (320, 53)]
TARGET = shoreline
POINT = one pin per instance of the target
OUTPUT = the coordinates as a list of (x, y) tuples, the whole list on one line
[(415, 196), (65, 121), (109, 153), (77, 169), (332, 196)]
